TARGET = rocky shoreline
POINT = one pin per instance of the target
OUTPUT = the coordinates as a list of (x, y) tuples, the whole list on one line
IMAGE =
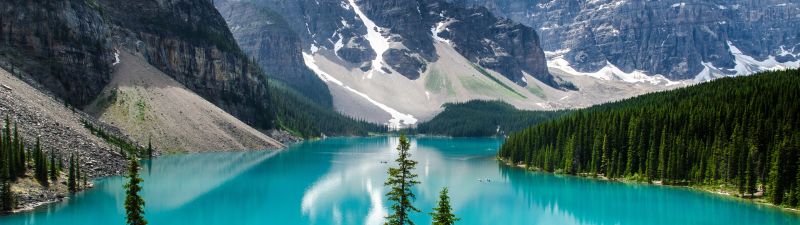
[(63, 129)]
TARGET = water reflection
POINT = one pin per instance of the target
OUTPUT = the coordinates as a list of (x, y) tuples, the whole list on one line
[(340, 181), (174, 186), (587, 201)]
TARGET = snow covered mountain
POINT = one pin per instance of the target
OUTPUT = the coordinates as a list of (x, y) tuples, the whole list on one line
[(398, 61), (674, 39)]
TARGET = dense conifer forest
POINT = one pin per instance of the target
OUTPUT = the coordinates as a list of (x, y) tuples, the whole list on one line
[(741, 132), (482, 118), (305, 118)]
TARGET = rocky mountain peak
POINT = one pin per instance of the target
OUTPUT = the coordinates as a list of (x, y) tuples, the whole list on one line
[(676, 39)]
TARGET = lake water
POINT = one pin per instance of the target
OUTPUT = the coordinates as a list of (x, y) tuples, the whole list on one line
[(340, 181)]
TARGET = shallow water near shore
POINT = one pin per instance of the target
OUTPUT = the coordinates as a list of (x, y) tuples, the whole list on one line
[(340, 181)]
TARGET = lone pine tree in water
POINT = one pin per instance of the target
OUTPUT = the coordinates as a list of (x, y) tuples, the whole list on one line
[(134, 204), (443, 213), (401, 180)]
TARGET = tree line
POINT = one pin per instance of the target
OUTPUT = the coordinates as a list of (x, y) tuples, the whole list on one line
[(305, 118), (483, 118), (742, 132), (17, 160)]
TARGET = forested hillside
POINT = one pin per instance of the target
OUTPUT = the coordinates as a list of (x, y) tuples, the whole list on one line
[(303, 117), (479, 118), (742, 132)]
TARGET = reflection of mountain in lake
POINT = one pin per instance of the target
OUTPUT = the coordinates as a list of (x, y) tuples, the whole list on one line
[(340, 181), (170, 186)]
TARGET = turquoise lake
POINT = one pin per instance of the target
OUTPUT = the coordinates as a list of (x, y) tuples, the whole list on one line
[(340, 181)]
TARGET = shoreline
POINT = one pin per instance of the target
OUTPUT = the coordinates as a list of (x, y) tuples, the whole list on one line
[(758, 201), (55, 194)]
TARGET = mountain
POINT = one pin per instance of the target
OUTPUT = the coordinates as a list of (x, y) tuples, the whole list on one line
[(738, 135), (63, 46), (381, 64), (650, 40), (168, 73), (60, 129), (190, 42), (152, 107), (398, 61), (267, 39)]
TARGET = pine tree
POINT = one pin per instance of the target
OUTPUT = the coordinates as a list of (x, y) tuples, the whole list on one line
[(11, 156), (794, 200), (85, 181), (149, 149), (401, 180), (6, 197), (20, 157), (41, 165), (78, 173), (5, 171), (134, 204), (71, 180), (53, 165), (569, 155), (442, 214), (3, 145), (750, 170)]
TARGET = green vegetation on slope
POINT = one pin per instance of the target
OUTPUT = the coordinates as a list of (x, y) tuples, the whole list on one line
[(536, 90), (126, 147), (436, 82), (478, 118), (486, 73), (303, 117), (742, 132)]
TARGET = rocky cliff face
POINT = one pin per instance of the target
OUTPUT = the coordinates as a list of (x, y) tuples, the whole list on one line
[(189, 41), (266, 37), (495, 43), (61, 44), (398, 36), (677, 39)]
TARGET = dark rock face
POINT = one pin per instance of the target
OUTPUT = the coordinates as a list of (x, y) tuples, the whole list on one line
[(499, 44), (323, 23), (671, 38), (404, 62), (265, 37), (190, 41), (408, 20), (62, 44)]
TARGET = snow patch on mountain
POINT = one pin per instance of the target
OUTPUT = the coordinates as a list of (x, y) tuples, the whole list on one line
[(378, 42), (338, 45), (609, 72), (399, 120), (746, 65), (116, 58), (439, 27)]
